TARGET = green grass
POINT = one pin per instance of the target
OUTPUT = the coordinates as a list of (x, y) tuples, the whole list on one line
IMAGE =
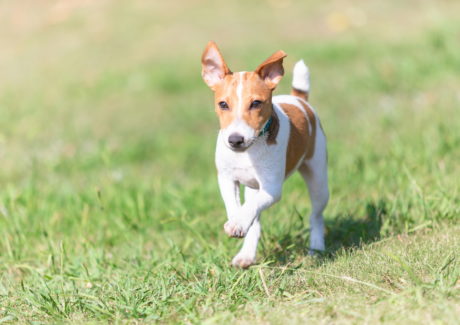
[(109, 206)]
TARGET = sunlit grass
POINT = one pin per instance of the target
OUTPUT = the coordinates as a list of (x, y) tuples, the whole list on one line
[(109, 206)]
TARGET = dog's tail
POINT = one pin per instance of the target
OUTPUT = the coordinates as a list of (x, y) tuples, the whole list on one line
[(301, 80)]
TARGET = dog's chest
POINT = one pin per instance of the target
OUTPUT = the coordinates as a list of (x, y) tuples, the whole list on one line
[(244, 175), (243, 167)]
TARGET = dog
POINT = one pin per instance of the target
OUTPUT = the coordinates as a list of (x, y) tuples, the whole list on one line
[(262, 141)]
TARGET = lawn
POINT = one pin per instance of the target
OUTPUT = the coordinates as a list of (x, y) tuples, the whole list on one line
[(109, 205)]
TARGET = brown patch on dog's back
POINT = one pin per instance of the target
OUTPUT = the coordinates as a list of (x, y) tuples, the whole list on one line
[(301, 138), (312, 137)]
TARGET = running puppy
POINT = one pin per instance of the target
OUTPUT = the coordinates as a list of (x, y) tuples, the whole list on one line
[(261, 142)]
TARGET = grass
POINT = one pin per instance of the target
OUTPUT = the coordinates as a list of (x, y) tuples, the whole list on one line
[(109, 206)]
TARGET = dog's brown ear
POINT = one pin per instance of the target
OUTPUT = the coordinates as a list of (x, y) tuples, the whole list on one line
[(213, 65), (271, 70)]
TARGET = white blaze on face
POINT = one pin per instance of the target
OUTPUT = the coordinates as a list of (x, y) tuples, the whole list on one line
[(239, 94), (239, 125)]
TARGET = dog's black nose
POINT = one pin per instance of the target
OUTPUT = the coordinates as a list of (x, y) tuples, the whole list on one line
[(236, 140)]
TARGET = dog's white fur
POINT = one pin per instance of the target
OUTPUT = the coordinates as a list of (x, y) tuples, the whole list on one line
[(261, 169)]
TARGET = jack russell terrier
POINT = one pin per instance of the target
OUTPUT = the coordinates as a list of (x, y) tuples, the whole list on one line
[(261, 142)]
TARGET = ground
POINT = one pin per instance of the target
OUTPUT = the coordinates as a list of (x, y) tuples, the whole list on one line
[(109, 205)]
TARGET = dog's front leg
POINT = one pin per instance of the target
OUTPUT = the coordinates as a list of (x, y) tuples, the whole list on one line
[(230, 192), (247, 254), (251, 209)]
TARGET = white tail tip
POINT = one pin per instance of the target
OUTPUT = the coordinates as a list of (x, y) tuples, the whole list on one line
[(301, 78)]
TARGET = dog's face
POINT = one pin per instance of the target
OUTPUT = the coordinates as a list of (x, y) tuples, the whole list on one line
[(242, 99)]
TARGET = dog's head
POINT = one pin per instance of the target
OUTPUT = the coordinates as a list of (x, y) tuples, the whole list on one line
[(243, 100)]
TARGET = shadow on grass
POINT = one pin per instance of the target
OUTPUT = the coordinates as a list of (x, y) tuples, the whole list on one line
[(343, 231)]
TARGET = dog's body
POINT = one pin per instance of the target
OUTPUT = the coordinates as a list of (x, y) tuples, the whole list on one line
[(262, 141)]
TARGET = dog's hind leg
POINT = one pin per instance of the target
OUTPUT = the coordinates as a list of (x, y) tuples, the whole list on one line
[(247, 254), (314, 172)]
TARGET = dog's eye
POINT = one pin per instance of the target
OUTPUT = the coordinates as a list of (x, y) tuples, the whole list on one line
[(255, 104), (223, 105)]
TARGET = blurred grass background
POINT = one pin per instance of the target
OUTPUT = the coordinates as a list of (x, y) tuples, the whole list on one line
[(109, 206)]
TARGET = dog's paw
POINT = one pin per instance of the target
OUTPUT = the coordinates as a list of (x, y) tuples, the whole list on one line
[(315, 252), (235, 229), (243, 261), (316, 243)]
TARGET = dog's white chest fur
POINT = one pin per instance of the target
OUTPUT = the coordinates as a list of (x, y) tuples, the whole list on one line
[(239, 166), (236, 166)]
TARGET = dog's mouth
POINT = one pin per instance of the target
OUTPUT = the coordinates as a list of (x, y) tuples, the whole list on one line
[(238, 149), (242, 147)]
